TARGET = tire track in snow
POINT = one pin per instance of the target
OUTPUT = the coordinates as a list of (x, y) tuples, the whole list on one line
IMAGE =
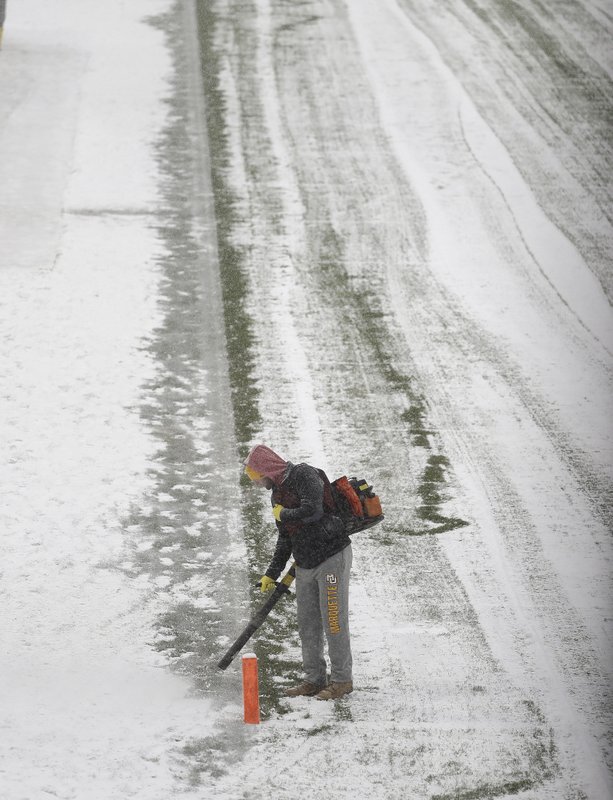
[(555, 114), (333, 172), (316, 301), (535, 341), (555, 125), (568, 663), (370, 423)]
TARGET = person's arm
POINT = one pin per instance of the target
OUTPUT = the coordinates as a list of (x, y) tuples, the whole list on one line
[(281, 556), (310, 489)]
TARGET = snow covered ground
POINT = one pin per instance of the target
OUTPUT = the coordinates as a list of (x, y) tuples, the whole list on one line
[(88, 708), (376, 236)]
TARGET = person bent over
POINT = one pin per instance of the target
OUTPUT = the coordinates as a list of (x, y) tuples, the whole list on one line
[(317, 541)]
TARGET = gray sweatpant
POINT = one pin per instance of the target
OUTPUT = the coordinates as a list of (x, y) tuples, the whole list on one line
[(322, 597)]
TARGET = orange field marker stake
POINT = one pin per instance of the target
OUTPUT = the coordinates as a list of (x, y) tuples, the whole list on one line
[(251, 697)]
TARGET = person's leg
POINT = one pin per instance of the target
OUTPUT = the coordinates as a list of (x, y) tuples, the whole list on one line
[(333, 580), (310, 626)]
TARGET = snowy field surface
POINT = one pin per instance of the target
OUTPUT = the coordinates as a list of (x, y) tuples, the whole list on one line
[(378, 237)]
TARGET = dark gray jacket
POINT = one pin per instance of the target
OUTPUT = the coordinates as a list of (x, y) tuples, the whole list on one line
[(306, 531)]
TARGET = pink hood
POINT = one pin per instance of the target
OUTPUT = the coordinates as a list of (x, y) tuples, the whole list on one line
[(265, 461)]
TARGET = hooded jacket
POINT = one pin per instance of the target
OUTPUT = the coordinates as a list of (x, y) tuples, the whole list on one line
[(268, 463), (306, 531)]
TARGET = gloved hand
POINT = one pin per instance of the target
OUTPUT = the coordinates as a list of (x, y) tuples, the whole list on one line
[(266, 583), (276, 512)]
